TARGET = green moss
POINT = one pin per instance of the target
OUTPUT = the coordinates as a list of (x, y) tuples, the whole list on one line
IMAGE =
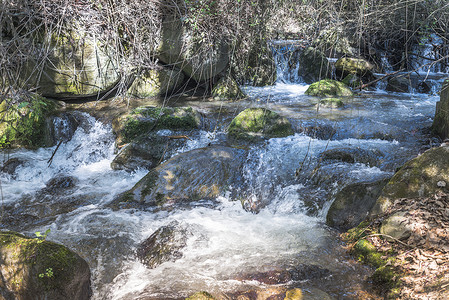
[(328, 88), (256, 122), (24, 123), (227, 89), (145, 119), (55, 262), (201, 296)]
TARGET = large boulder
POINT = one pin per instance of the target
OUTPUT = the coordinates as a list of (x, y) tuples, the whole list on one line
[(328, 88), (77, 64), (38, 269), (353, 203), (159, 81), (441, 121), (181, 48), (146, 151), (23, 123), (422, 176), (313, 65), (255, 123), (356, 66), (204, 173), (146, 119)]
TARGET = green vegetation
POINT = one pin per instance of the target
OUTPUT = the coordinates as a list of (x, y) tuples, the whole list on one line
[(23, 123), (201, 296)]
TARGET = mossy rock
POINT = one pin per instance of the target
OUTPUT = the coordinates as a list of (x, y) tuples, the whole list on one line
[(204, 173), (255, 123), (201, 296), (146, 119), (227, 89), (334, 42), (156, 82), (314, 65), (328, 88), (422, 176), (77, 65), (24, 123), (441, 121), (38, 269), (331, 103), (357, 66)]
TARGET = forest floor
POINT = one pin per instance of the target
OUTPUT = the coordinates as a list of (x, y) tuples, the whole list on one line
[(421, 261)]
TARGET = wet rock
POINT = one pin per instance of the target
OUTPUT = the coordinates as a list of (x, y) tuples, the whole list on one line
[(158, 81), (424, 87), (353, 203), (396, 227), (227, 89), (143, 120), (10, 166), (257, 123), (201, 296), (322, 132), (60, 182), (165, 244), (419, 177), (146, 151), (37, 269), (313, 65), (398, 84), (203, 173), (331, 103), (63, 127), (441, 121), (328, 88), (353, 155)]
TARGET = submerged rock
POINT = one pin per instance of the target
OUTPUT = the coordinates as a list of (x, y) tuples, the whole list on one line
[(59, 183), (331, 103), (204, 173), (328, 88), (165, 244), (146, 151), (441, 121), (353, 155), (420, 177), (353, 203), (10, 166), (145, 119), (38, 269), (256, 123)]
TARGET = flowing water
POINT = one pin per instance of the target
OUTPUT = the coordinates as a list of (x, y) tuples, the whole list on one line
[(286, 175)]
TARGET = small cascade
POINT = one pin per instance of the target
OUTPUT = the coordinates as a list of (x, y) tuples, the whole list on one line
[(286, 56), (427, 53)]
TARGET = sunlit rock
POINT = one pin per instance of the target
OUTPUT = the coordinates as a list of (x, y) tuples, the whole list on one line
[(357, 66), (396, 227), (328, 88), (38, 269), (204, 173), (159, 81), (256, 123), (419, 177), (227, 89), (145, 119)]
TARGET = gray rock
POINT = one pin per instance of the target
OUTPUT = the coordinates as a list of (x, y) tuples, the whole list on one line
[(441, 121), (396, 226), (204, 173), (353, 203), (398, 84)]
